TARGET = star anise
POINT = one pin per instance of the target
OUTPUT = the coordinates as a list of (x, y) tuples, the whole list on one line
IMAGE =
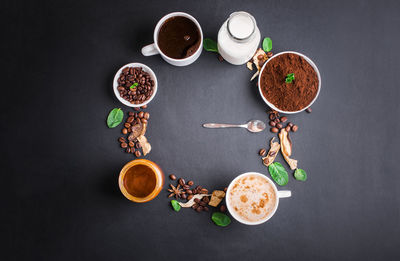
[(176, 191)]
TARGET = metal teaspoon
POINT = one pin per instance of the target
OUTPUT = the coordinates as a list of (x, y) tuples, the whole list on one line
[(252, 126)]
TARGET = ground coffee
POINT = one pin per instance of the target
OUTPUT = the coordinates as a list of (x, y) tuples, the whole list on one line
[(292, 96)]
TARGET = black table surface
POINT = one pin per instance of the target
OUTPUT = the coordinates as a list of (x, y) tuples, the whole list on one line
[(60, 162)]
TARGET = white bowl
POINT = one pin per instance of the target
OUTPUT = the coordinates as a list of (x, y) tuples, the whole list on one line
[(146, 69), (273, 106)]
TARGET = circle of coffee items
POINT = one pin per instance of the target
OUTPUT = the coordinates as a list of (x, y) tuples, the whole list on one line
[(277, 122), (186, 191), (133, 146)]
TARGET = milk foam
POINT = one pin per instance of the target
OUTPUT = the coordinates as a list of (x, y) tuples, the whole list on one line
[(252, 198)]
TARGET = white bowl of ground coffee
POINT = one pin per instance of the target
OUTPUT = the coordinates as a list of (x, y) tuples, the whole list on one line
[(289, 96)]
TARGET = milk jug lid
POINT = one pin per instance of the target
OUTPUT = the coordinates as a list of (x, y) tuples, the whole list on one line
[(241, 25)]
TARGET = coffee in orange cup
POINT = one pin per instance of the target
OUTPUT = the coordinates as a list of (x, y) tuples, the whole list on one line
[(141, 180)]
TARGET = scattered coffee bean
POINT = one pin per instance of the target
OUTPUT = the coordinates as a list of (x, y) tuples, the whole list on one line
[(186, 186), (277, 120), (204, 191), (130, 119), (206, 209), (183, 196), (274, 130), (190, 183), (295, 128), (124, 131), (181, 182), (287, 128), (279, 125), (146, 115), (141, 114), (144, 120), (202, 203), (222, 208), (190, 196), (225, 189), (144, 106), (262, 152), (131, 144), (188, 191), (124, 145), (284, 119), (197, 200), (272, 123), (138, 153), (309, 110), (195, 206), (206, 199), (270, 54), (121, 139), (199, 209), (172, 177), (131, 113), (136, 108), (220, 58), (272, 117), (290, 124)]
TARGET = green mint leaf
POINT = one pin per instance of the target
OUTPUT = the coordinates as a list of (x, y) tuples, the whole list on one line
[(267, 44), (289, 78), (210, 45), (300, 174), (134, 85), (220, 219), (278, 173), (114, 118), (175, 205)]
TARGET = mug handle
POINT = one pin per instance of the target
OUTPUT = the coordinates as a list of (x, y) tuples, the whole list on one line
[(284, 194), (149, 50)]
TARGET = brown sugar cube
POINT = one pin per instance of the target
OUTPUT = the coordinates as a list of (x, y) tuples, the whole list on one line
[(216, 197)]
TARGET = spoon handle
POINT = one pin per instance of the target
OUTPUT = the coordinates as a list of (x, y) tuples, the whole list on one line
[(220, 125)]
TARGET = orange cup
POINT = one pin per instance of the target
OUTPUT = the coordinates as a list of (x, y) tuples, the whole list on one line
[(157, 181)]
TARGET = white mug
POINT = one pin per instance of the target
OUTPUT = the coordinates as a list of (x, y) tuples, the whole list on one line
[(278, 194), (153, 49)]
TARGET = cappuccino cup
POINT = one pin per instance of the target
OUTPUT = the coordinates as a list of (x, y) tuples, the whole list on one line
[(178, 38), (252, 198)]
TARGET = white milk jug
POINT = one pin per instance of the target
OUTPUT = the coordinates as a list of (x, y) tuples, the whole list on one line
[(238, 38)]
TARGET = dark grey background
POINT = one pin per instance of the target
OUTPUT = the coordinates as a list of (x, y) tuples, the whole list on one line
[(60, 162)]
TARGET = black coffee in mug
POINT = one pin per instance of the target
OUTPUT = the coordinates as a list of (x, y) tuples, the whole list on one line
[(179, 37)]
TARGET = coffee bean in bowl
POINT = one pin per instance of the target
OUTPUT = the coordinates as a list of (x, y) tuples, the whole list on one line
[(135, 85)]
